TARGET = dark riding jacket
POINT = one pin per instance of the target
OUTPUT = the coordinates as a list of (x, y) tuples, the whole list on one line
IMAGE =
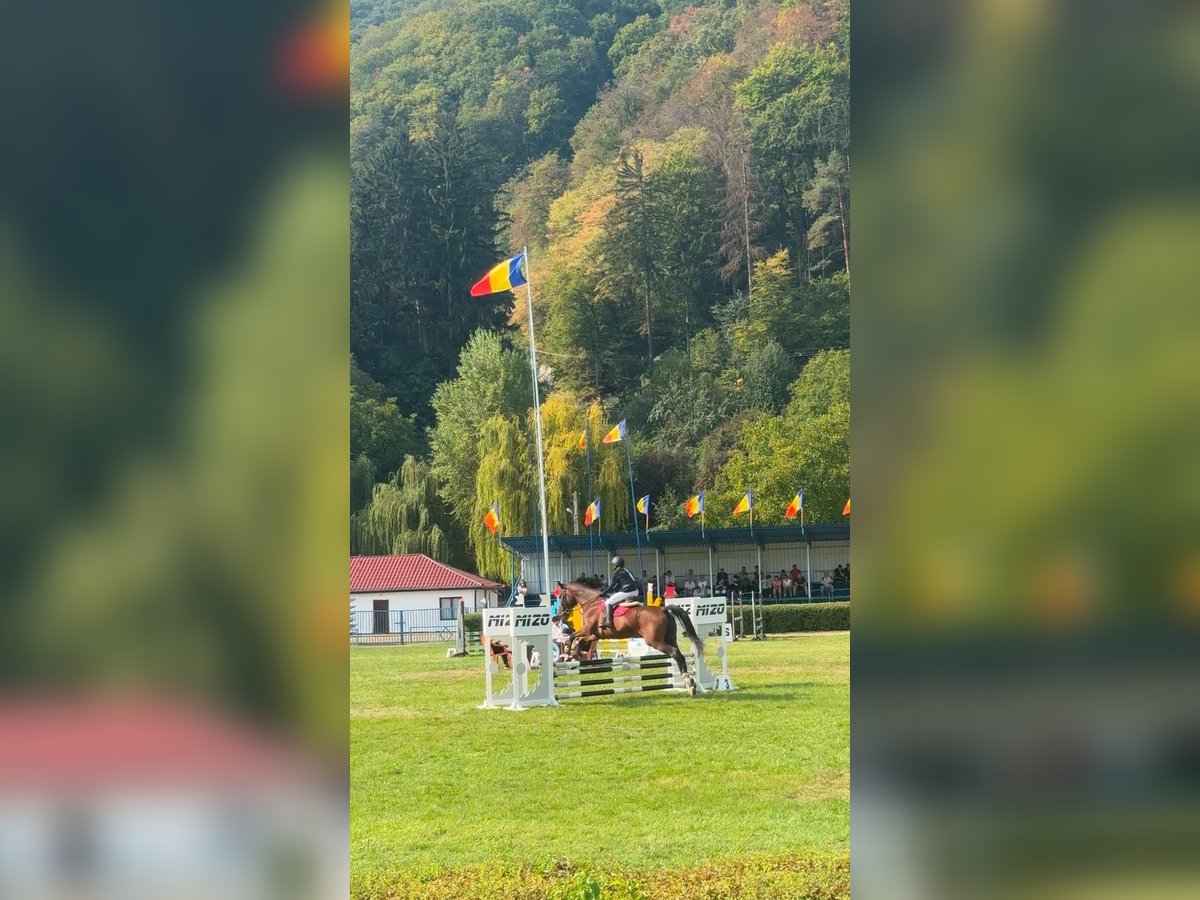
[(622, 580)]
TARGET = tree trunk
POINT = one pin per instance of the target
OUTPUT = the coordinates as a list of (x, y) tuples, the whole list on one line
[(746, 227), (845, 236)]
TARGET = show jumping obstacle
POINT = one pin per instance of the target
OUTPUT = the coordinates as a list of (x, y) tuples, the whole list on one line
[(528, 633)]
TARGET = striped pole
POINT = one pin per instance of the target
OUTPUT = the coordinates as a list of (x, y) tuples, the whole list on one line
[(642, 661), (648, 677), (610, 691)]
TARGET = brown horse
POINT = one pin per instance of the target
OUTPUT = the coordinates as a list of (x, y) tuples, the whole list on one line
[(656, 625)]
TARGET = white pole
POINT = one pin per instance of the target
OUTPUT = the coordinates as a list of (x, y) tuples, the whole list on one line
[(537, 417), (712, 589), (808, 567)]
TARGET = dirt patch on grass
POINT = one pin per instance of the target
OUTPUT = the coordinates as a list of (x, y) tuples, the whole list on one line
[(828, 784)]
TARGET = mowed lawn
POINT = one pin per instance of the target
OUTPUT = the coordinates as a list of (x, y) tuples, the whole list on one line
[(648, 781)]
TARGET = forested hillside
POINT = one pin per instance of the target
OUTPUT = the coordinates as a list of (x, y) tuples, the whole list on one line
[(680, 174)]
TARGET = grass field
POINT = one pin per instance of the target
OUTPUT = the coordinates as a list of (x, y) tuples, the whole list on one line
[(446, 794)]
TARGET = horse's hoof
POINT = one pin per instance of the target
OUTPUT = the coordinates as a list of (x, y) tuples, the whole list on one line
[(691, 686)]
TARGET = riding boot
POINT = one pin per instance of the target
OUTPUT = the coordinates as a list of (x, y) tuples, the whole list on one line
[(608, 616)]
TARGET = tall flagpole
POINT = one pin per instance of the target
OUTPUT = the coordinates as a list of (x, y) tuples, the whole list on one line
[(537, 417), (587, 446), (757, 549), (807, 555), (633, 499)]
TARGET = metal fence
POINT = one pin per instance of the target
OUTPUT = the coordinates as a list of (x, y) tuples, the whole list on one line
[(400, 626)]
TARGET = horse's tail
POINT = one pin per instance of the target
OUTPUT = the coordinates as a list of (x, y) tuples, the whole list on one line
[(685, 622)]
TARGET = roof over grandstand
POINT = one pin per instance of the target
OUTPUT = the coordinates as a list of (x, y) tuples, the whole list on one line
[(761, 536), (410, 572)]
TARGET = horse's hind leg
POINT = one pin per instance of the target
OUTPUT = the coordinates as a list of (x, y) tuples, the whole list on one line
[(673, 652)]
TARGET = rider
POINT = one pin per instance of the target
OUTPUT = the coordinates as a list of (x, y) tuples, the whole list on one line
[(623, 586)]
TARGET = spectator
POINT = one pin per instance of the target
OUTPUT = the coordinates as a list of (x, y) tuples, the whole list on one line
[(669, 593), (801, 585), (757, 581), (560, 635), (521, 591), (743, 580), (702, 586), (776, 587), (795, 574), (689, 585), (827, 585)]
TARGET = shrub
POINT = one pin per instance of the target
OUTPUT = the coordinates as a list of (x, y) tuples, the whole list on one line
[(784, 618)]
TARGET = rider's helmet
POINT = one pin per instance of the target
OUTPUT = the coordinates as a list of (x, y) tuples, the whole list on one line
[(618, 562)]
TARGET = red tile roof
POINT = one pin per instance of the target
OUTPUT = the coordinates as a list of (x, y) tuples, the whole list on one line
[(410, 572)]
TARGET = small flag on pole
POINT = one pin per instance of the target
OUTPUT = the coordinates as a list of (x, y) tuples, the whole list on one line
[(745, 504), (503, 277), (618, 433), (583, 441), (846, 510), (492, 518), (796, 506), (592, 513), (643, 505), (695, 506)]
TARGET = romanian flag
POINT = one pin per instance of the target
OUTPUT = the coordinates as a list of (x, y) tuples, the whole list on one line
[(795, 506), (616, 434), (592, 513), (745, 504), (583, 441), (695, 505), (643, 505), (492, 518), (846, 510), (502, 277)]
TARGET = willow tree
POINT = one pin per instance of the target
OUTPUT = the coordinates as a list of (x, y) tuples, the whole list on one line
[(405, 515), (492, 381), (566, 467), (505, 477)]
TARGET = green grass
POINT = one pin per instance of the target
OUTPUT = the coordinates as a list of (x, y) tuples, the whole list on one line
[(641, 782)]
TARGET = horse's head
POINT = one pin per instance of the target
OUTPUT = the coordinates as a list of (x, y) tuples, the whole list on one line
[(573, 594)]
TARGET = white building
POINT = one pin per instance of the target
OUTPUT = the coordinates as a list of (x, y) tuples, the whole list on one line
[(411, 597)]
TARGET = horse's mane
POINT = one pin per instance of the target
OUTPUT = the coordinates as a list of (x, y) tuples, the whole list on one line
[(582, 592)]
